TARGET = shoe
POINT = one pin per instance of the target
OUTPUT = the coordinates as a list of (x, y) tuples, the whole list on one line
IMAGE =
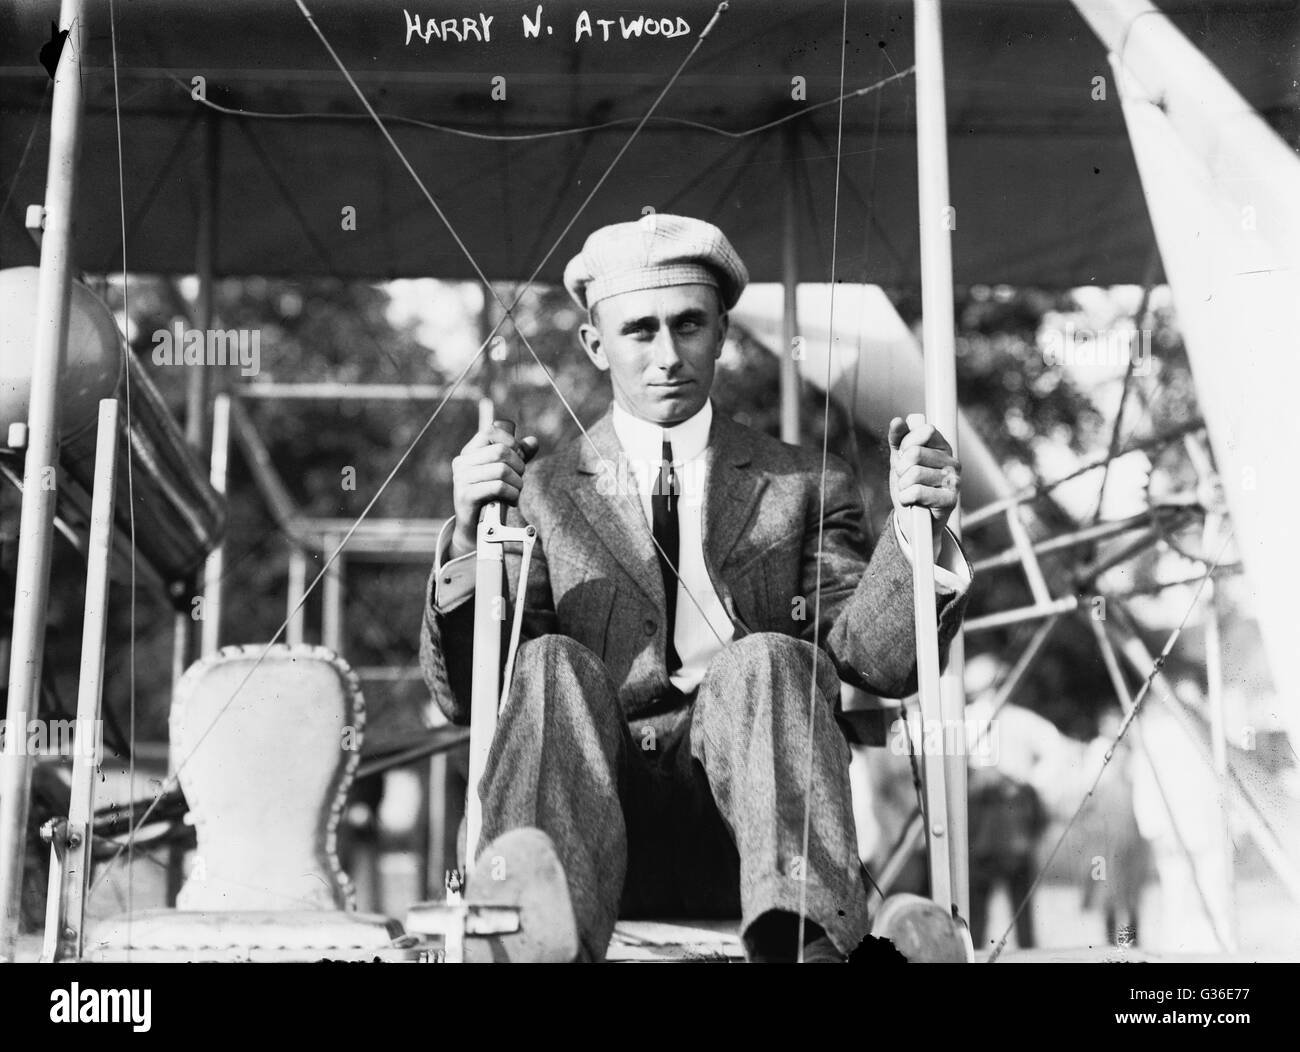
[(922, 931), (519, 869)]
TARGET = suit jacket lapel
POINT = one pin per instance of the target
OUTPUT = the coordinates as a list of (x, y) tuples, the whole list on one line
[(734, 489), (609, 502)]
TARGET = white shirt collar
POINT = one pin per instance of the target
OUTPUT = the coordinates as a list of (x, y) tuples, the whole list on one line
[(643, 441)]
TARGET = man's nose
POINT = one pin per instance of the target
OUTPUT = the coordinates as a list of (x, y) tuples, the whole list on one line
[(664, 350)]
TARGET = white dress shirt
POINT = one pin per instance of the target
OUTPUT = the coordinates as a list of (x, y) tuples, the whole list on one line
[(698, 605)]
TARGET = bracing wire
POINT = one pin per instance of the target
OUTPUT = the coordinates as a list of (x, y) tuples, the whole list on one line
[(586, 129), (821, 517)]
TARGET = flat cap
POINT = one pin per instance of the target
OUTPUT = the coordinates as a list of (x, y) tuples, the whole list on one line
[(653, 252)]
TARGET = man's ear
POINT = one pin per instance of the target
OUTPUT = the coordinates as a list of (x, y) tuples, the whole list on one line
[(723, 321), (589, 337)]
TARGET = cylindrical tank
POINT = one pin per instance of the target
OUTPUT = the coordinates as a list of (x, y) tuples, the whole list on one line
[(179, 517), (93, 367)]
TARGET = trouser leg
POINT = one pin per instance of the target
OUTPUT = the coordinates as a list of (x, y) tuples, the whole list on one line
[(766, 768), (556, 764)]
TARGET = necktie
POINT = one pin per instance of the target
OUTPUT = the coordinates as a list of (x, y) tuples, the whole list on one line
[(663, 512)]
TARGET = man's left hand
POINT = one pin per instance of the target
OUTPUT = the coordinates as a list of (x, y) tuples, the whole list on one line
[(922, 470)]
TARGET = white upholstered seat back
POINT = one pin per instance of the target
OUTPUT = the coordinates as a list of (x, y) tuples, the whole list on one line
[(265, 743)]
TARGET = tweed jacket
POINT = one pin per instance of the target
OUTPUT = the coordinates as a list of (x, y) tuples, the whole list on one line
[(595, 576)]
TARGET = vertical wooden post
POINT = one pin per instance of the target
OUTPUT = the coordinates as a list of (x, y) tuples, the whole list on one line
[(182, 621), (332, 615), (297, 586), (35, 531), (215, 567), (937, 220), (938, 829), (71, 915), (489, 614)]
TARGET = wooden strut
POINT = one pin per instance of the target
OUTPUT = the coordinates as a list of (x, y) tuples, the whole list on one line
[(945, 700), (489, 685), (70, 838), (36, 528), (930, 694)]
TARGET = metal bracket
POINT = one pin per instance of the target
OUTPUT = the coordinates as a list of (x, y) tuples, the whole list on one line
[(493, 535), (60, 936), (491, 530), (490, 685), (456, 919), (35, 222)]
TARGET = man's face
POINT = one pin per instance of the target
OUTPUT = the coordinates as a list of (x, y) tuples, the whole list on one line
[(660, 347)]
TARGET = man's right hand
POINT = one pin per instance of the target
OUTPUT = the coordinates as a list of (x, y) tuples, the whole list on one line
[(490, 467)]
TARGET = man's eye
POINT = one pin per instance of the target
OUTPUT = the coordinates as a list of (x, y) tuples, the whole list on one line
[(688, 326)]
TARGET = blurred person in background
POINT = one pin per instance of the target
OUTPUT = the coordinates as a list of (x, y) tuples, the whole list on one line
[(1014, 757)]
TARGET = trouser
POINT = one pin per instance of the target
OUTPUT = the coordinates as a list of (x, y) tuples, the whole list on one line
[(694, 813)]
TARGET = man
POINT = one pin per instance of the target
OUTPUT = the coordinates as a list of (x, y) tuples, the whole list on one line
[(1016, 762), (670, 723)]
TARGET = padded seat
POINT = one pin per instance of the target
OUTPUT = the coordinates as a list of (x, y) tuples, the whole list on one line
[(265, 744), (244, 935)]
